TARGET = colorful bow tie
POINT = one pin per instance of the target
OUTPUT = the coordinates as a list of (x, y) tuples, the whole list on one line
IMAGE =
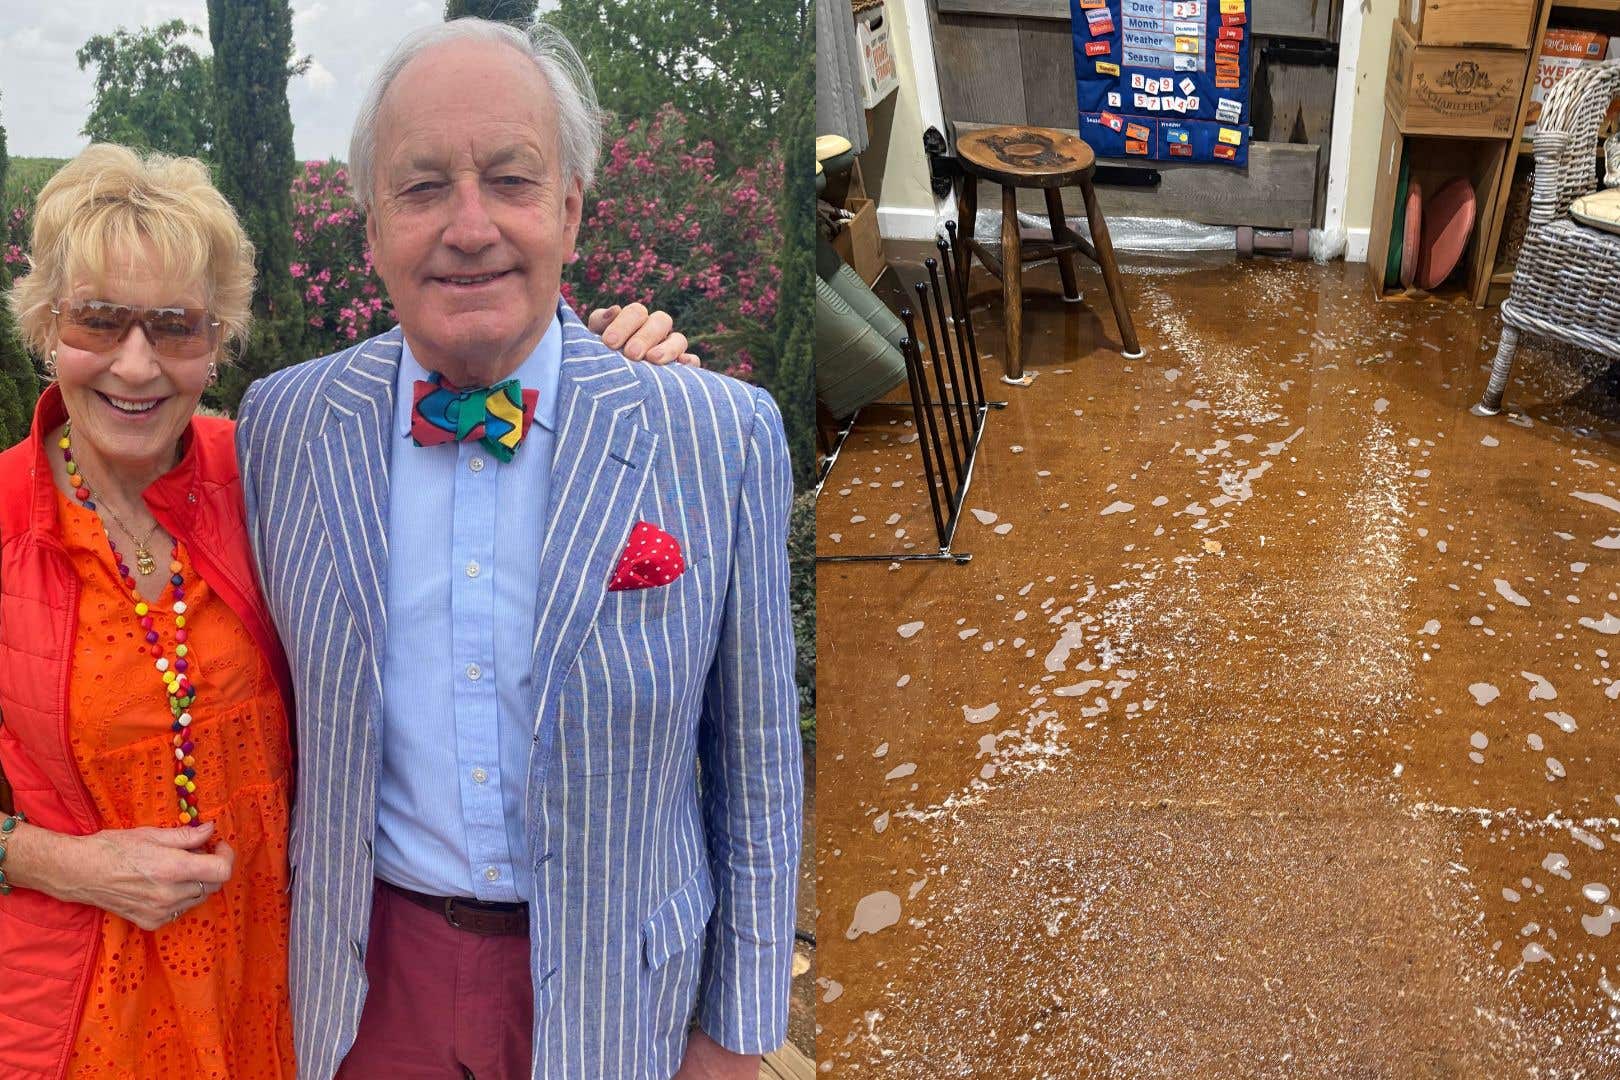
[(498, 416)]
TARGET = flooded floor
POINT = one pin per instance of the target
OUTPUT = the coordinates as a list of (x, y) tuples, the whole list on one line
[(1272, 729)]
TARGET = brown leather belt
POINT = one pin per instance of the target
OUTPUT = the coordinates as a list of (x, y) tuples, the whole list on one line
[(483, 917)]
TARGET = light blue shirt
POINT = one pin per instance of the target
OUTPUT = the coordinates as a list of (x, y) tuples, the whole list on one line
[(464, 533)]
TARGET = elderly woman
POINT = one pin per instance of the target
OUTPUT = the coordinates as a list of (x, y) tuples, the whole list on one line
[(146, 700)]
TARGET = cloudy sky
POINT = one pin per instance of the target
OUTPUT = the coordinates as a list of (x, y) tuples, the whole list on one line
[(44, 97)]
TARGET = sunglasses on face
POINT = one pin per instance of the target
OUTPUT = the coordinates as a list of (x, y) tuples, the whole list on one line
[(99, 325)]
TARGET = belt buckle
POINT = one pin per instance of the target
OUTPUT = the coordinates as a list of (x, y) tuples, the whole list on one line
[(450, 912)]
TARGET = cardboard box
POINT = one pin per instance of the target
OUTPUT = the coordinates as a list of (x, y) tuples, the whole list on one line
[(1470, 22), (1562, 51), (858, 243), (1450, 90), (879, 78)]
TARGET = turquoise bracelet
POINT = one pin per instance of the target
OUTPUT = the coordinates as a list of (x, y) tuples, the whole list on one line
[(7, 827)]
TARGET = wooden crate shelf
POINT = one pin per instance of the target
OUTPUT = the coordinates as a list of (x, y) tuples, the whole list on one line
[(1432, 160)]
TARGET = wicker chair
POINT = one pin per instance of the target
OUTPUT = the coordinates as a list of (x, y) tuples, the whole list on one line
[(1567, 282)]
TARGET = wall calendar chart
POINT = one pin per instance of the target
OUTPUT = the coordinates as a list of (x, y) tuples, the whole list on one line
[(1164, 79)]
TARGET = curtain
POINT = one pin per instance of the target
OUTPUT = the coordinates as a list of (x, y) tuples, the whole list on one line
[(838, 74)]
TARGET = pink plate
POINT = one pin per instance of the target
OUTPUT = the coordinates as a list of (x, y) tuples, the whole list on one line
[(1448, 221), (1414, 229)]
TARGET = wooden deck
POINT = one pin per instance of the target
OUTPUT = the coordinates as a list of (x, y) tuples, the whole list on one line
[(788, 1063)]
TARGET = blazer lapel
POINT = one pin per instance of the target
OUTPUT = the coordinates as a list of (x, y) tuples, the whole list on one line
[(351, 457), (602, 463)]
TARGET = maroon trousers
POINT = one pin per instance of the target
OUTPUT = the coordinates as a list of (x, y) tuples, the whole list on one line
[(443, 1003)]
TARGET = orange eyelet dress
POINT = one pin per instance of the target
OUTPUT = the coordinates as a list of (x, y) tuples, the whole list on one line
[(206, 997)]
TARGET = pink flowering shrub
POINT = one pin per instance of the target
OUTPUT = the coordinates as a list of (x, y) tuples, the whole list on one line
[(15, 232), (343, 297), (662, 227)]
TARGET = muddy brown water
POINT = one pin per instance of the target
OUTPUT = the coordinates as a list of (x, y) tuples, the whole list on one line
[(1277, 735)]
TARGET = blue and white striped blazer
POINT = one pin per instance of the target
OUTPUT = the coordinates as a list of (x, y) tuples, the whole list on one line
[(633, 861)]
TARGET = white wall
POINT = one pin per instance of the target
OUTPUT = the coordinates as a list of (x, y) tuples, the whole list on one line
[(1367, 120), (894, 165)]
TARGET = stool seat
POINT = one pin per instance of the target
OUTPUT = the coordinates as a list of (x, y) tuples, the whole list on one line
[(1017, 156), (1025, 156)]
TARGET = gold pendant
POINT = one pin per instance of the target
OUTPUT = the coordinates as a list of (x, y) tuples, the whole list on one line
[(144, 563)]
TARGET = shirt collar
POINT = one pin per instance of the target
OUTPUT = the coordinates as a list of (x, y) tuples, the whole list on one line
[(540, 371)]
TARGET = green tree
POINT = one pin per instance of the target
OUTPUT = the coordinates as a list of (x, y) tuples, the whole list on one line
[(18, 385), (793, 381), (725, 63), (255, 168), (153, 91), (517, 12)]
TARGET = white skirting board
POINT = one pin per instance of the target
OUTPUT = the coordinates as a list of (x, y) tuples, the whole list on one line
[(1355, 244), (909, 222)]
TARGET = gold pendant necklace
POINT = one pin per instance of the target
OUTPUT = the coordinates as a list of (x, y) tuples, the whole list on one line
[(145, 562)]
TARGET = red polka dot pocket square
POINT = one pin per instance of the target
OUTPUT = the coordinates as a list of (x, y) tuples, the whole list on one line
[(652, 558)]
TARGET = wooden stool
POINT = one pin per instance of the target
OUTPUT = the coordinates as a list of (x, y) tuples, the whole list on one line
[(1016, 156)]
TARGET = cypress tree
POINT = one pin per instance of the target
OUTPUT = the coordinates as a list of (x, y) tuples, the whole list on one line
[(255, 166), (794, 379), (519, 13), (18, 386)]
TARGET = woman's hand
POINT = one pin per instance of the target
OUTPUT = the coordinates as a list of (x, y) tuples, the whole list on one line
[(149, 876), (640, 335)]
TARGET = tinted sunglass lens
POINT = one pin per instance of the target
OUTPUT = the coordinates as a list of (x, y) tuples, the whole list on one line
[(182, 333), (94, 326)]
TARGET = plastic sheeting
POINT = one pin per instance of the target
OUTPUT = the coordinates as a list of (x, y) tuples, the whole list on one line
[(1147, 235), (1133, 234)]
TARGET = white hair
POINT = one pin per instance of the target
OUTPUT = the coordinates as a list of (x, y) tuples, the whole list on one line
[(579, 117)]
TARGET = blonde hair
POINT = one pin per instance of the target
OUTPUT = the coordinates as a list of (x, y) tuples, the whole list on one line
[(112, 202)]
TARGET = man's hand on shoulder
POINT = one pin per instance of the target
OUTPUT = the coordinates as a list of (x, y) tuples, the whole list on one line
[(640, 334), (708, 1060)]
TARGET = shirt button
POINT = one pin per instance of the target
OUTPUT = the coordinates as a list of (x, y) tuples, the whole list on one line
[(473, 568), (479, 776), (491, 873), (474, 672), (476, 464)]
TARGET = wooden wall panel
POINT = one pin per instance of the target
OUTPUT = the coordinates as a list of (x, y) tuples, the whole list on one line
[(1047, 51), (1012, 62), (979, 64), (1276, 192)]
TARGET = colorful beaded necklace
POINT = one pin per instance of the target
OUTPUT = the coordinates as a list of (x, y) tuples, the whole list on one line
[(176, 681)]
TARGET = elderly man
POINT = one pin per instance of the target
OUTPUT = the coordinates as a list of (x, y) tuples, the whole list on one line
[(529, 591)]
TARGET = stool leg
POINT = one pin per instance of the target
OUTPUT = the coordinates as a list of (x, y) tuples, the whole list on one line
[(1110, 269), (1060, 230), (1012, 282), (967, 215)]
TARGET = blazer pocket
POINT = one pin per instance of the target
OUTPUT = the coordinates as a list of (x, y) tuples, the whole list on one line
[(679, 920), (648, 605)]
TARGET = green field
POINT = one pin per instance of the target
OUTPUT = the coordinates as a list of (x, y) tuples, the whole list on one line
[(30, 173)]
